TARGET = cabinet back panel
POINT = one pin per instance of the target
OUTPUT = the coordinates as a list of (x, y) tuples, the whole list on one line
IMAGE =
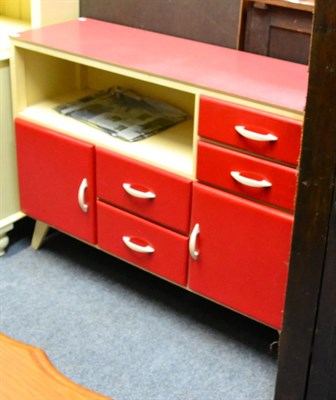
[(47, 76), (98, 79)]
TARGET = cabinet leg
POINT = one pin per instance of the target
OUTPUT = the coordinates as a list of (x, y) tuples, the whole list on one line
[(4, 240), (40, 232)]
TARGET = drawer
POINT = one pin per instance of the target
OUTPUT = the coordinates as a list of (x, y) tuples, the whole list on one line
[(249, 129), (157, 195), (247, 175), (143, 243)]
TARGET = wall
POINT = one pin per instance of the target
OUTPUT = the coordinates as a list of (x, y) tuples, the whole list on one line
[(212, 21)]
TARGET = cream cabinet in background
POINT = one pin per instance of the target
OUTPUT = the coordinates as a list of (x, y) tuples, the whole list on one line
[(17, 16)]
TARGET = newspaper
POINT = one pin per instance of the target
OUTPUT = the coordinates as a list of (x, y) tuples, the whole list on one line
[(123, 113)]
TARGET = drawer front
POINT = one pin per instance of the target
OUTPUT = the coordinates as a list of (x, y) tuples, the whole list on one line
[(157, 195), (142, 243), (246, 175), (252, 130)]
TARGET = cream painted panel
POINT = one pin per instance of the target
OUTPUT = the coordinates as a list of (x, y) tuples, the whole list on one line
[(9, 198)]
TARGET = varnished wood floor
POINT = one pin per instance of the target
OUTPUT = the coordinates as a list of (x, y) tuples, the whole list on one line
[(26, 373)]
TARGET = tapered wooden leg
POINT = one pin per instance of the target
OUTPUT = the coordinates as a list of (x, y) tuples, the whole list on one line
[(40, 232)]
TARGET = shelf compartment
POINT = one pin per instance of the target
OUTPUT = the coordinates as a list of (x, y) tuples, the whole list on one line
[(46, 81)]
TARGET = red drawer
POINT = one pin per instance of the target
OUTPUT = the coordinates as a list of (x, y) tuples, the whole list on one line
[(249, 129), (246, 175), (157, 195), (143, 243)]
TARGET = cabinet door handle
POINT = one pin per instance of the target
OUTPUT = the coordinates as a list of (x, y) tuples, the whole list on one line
[(138, 193), (81, 193), (136, 247), (259, 137), (250, 182), (192, 242)]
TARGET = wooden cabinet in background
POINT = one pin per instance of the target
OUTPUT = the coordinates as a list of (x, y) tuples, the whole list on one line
[(279, 28)]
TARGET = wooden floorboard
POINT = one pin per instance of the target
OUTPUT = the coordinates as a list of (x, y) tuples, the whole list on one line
[(26, 373)]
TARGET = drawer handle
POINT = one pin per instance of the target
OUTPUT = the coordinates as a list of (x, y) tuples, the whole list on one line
[(192, 242), (138, 193), (250, 182), (136, 247), (81, 193), (259, 137)]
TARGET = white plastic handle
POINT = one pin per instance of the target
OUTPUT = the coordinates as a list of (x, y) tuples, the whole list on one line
[(138, 193), (250, 182), (192, 242), (81, 193), (136, 247), (259, 137)]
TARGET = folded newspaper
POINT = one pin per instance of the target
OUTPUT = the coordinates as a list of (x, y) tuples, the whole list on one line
[(123, 113)]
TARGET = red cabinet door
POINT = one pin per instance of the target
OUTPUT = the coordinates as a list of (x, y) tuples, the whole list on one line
[(56, 179), (243, 255)]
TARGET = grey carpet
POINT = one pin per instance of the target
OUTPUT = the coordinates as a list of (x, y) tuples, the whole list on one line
[(125, 333)]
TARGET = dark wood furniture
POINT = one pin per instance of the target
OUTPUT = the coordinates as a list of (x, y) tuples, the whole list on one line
[(307, 368), (216, 21), (279, 28)]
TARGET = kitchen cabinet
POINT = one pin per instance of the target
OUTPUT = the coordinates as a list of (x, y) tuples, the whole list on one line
[(207, 204)]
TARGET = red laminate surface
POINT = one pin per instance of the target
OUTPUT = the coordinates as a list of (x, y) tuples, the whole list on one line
[(268, 80)]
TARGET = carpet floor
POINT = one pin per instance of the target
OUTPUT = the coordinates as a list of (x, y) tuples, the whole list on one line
[(125, 333)]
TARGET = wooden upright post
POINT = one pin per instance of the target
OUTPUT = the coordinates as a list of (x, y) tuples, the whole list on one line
[(313, 253)]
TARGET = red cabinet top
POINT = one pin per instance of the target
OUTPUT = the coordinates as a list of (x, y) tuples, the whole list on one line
[(272, 81)]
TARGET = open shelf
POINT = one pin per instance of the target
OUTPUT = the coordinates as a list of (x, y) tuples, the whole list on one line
[(49, 81)]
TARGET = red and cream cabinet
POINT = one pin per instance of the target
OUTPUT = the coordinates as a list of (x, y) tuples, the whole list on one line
[(207, 204)]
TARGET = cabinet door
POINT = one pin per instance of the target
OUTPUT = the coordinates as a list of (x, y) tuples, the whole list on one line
[(56, 179), (243, 255)]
